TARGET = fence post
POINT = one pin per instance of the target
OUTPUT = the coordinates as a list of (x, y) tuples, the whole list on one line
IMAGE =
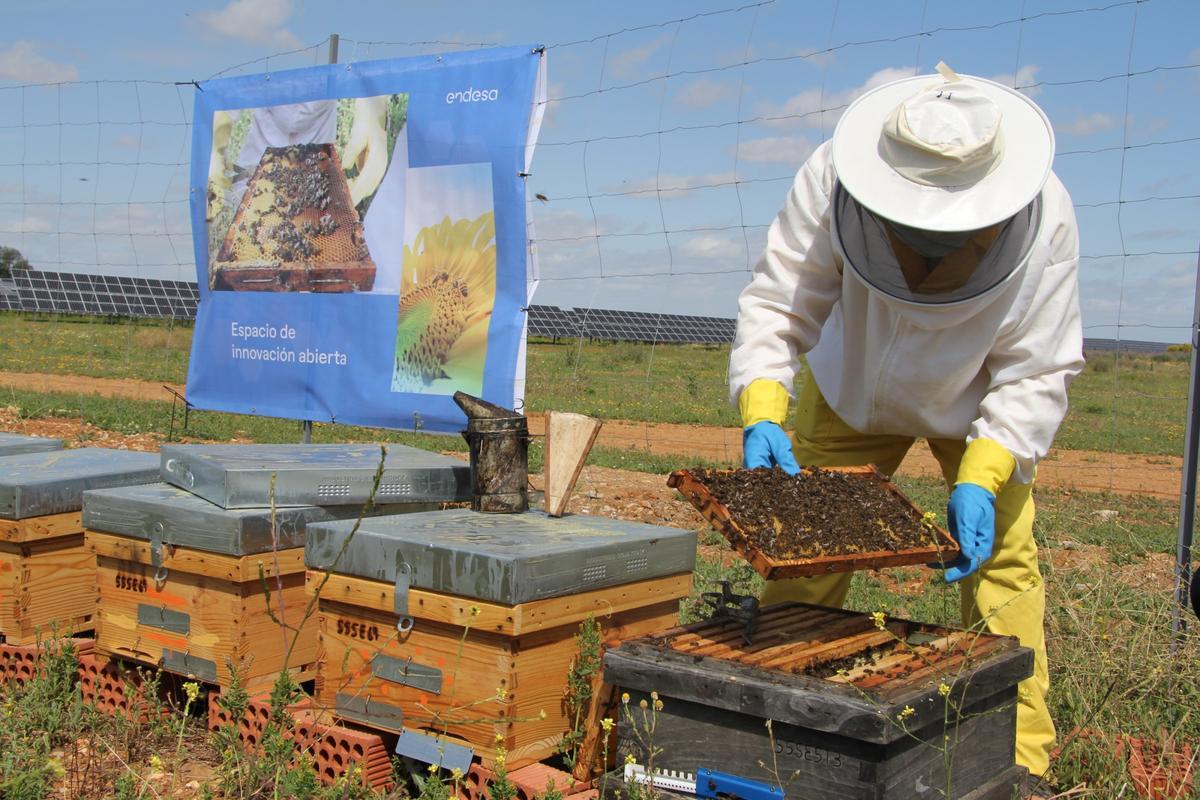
[(1187, 488)]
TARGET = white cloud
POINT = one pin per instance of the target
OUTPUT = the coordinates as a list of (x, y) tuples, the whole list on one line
[(1026, 75), (704, 93), (709, 246), (791, 150), (21, 62), (1086, 124), (127, 141), (253, 21), (803, 109), (627, 62)]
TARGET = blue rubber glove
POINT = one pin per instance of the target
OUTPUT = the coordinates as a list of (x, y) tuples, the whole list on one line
[(764, 444), (972, 514)]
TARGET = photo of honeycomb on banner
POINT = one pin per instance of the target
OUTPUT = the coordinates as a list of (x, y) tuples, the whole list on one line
[(448, 283), (290, 191)]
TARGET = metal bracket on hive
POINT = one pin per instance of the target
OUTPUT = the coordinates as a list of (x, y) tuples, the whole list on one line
[(728, 605), (156, 553), (400, 596)]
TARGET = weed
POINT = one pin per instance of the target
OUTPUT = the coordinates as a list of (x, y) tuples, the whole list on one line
[(581, 683)]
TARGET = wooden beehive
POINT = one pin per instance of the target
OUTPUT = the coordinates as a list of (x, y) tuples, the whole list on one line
[(942, 547), (465, 646), (46, 578), (857, 707), (199, 590), (209, 611), (46, 574)]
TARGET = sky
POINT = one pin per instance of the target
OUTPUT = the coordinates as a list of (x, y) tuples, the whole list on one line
[(671, 135)]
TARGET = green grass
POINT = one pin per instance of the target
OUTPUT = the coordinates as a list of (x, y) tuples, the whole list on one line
[(1130, 404)]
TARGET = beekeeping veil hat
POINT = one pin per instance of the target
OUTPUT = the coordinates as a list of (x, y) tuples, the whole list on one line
[(935, 163)]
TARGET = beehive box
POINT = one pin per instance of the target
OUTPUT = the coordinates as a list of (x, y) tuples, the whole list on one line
[(856, 710), (257, 476), (940, 548), (463, 624), (296, 228), (46, 574), (14, 444), (181, 582)]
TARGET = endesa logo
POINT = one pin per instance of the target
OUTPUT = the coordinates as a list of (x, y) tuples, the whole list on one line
[(470, 95)]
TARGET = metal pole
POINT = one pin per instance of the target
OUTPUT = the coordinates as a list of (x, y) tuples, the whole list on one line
[(1187, 489), (306, 436)]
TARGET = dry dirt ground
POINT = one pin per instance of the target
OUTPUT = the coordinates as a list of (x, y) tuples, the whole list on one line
[(1157, 476)]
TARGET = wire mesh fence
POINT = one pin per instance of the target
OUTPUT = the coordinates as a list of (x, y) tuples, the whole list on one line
[(666, 151)]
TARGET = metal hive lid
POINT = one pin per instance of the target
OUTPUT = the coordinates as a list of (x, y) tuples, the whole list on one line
[(13, 444), (158, 511), (239, 476), (504, 558), (38, 484)]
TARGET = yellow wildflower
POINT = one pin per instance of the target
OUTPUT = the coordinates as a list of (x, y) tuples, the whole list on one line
[(606, 724), (625, 698), (879, 618), (906, 712), (456, 774), (658, 705), (944, 689), (501, 693), (630, 758), (156, 763), (476, 611), (542, 714), (643, 704), (432, 768), (192, 690)]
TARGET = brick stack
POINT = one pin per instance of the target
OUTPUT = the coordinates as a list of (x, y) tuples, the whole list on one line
[(335, 749), (19, 663)]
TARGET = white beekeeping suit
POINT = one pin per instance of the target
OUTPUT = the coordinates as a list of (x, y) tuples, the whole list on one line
[(925, 263)]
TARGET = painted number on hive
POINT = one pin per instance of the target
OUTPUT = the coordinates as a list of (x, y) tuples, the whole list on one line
[(358, 630), (130, 583), (809, 753)]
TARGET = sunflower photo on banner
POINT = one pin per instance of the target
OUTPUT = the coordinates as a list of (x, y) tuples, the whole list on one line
[(360, 238)]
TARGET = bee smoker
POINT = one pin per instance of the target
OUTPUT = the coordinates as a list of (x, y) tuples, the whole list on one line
[(498, 440)]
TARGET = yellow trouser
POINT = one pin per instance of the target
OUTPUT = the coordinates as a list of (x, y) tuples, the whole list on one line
[(1006, 593)]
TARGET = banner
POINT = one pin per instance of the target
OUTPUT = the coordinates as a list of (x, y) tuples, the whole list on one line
[(360, 238)]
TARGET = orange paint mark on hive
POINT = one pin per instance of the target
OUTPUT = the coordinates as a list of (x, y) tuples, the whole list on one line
[(173, 642), (166, 598)]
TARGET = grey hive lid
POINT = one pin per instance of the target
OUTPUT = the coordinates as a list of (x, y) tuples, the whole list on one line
[(39, 484), (239, 475), (14, 444), (160, 512), (503, 558)]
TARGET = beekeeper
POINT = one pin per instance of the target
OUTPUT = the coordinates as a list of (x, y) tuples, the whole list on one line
[(925, 263)]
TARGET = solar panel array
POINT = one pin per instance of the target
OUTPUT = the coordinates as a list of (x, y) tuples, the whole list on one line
[(104, 295), (109, 295), (628, 326)]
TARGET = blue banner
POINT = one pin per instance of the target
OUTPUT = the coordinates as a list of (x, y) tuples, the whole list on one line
[(360, 238)]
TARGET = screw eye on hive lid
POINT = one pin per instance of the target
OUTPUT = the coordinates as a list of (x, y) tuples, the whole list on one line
[(239, 476), (13, 444)]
